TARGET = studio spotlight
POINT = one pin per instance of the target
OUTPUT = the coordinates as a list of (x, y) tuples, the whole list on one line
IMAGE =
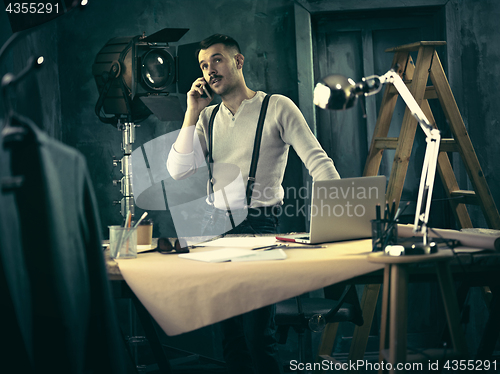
[(136, 77)]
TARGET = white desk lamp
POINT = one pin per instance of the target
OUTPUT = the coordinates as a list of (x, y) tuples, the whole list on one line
[(336, 92)]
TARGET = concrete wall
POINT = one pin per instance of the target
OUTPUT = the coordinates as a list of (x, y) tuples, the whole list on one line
[(474, 76)]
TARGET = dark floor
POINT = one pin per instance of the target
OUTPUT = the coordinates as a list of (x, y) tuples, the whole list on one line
[(207, 358), (183, 362)]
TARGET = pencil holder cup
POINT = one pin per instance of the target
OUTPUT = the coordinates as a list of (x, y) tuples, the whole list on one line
[(392, 234), (122, 242), (383, 233), (145, 232)]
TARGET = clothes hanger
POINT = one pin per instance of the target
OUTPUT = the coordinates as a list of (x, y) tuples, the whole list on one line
[(15, 128)]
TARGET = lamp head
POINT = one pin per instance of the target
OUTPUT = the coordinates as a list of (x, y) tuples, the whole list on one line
[(335, 92)]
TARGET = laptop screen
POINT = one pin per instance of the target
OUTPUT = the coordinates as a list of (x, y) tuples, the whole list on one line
[(342, 209)]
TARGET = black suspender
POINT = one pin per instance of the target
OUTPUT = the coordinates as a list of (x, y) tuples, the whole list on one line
[(256, 149), (255, 154), (210, 159)]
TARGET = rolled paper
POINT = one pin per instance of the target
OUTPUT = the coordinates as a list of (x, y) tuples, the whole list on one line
[(467, 239)]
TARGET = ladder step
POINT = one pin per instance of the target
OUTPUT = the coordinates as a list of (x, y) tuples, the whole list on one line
[(414, 46), (386, 143), (469, 197), (447, 145)]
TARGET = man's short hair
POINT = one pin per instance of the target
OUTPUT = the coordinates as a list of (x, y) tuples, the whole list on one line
[(218, 39)]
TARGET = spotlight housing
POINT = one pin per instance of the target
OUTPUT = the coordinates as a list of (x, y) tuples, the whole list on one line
[(136, 77)]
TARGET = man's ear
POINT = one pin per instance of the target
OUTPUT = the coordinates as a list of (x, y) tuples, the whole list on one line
[(240, 59)]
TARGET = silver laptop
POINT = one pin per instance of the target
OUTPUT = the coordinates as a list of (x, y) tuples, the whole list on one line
[(342, 209)]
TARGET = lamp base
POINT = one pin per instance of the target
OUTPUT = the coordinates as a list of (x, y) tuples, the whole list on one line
[(421, 249)]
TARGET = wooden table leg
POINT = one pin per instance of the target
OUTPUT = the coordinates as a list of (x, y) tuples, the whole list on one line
[(361, 333), (398, 314), (385, 313), (451, 307), (491, 329), (152, 336)]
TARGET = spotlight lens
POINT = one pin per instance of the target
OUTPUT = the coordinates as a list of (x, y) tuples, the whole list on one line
[(157, 69)]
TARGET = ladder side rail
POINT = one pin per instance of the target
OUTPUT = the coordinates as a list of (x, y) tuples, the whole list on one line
[(448, 178), (384, 118), (409, 125)]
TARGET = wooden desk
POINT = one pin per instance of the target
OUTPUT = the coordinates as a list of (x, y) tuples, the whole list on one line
[(185, 295)]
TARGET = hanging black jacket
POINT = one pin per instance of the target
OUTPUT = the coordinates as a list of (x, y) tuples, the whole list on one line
[(56, 306)]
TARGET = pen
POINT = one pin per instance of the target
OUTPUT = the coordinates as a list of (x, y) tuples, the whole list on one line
[(140, 219), (121, 235), (400, 211), (129, 219), (287, 246), (127, 235), (305, 246), (386, 213), (266, 247)]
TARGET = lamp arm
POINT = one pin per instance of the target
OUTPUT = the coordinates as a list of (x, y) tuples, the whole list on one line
[(433, 139), (427, 184), (411, 103)]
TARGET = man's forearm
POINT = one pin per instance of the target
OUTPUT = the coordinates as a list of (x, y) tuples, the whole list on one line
[(184, 142)]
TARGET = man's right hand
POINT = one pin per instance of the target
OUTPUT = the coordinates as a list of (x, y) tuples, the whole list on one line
[(195, 102)]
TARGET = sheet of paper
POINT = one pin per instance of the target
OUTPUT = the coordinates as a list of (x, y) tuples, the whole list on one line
[(270, 255), (217, 255), (235, 254), (246, 242), (145, 247)]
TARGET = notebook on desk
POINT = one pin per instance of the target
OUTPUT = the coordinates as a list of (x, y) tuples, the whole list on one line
[(342, 209)]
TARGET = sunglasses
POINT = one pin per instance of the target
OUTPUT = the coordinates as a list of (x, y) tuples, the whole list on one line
[(165, 247)]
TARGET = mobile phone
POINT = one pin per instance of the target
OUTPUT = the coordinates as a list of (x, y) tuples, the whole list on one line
[(208, 92)]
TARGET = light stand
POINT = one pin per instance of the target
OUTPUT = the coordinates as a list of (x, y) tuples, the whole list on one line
[(128, 138), (337, 92), (135, 77)]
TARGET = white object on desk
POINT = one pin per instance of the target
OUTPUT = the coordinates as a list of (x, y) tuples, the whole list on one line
[(145, 247), (272, 254), (241, 242), (235, 255)]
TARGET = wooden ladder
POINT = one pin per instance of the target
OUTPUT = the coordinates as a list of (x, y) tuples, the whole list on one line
[(416, 77)]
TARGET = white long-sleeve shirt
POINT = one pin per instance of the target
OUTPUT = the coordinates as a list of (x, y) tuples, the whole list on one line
[(233, 141)]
